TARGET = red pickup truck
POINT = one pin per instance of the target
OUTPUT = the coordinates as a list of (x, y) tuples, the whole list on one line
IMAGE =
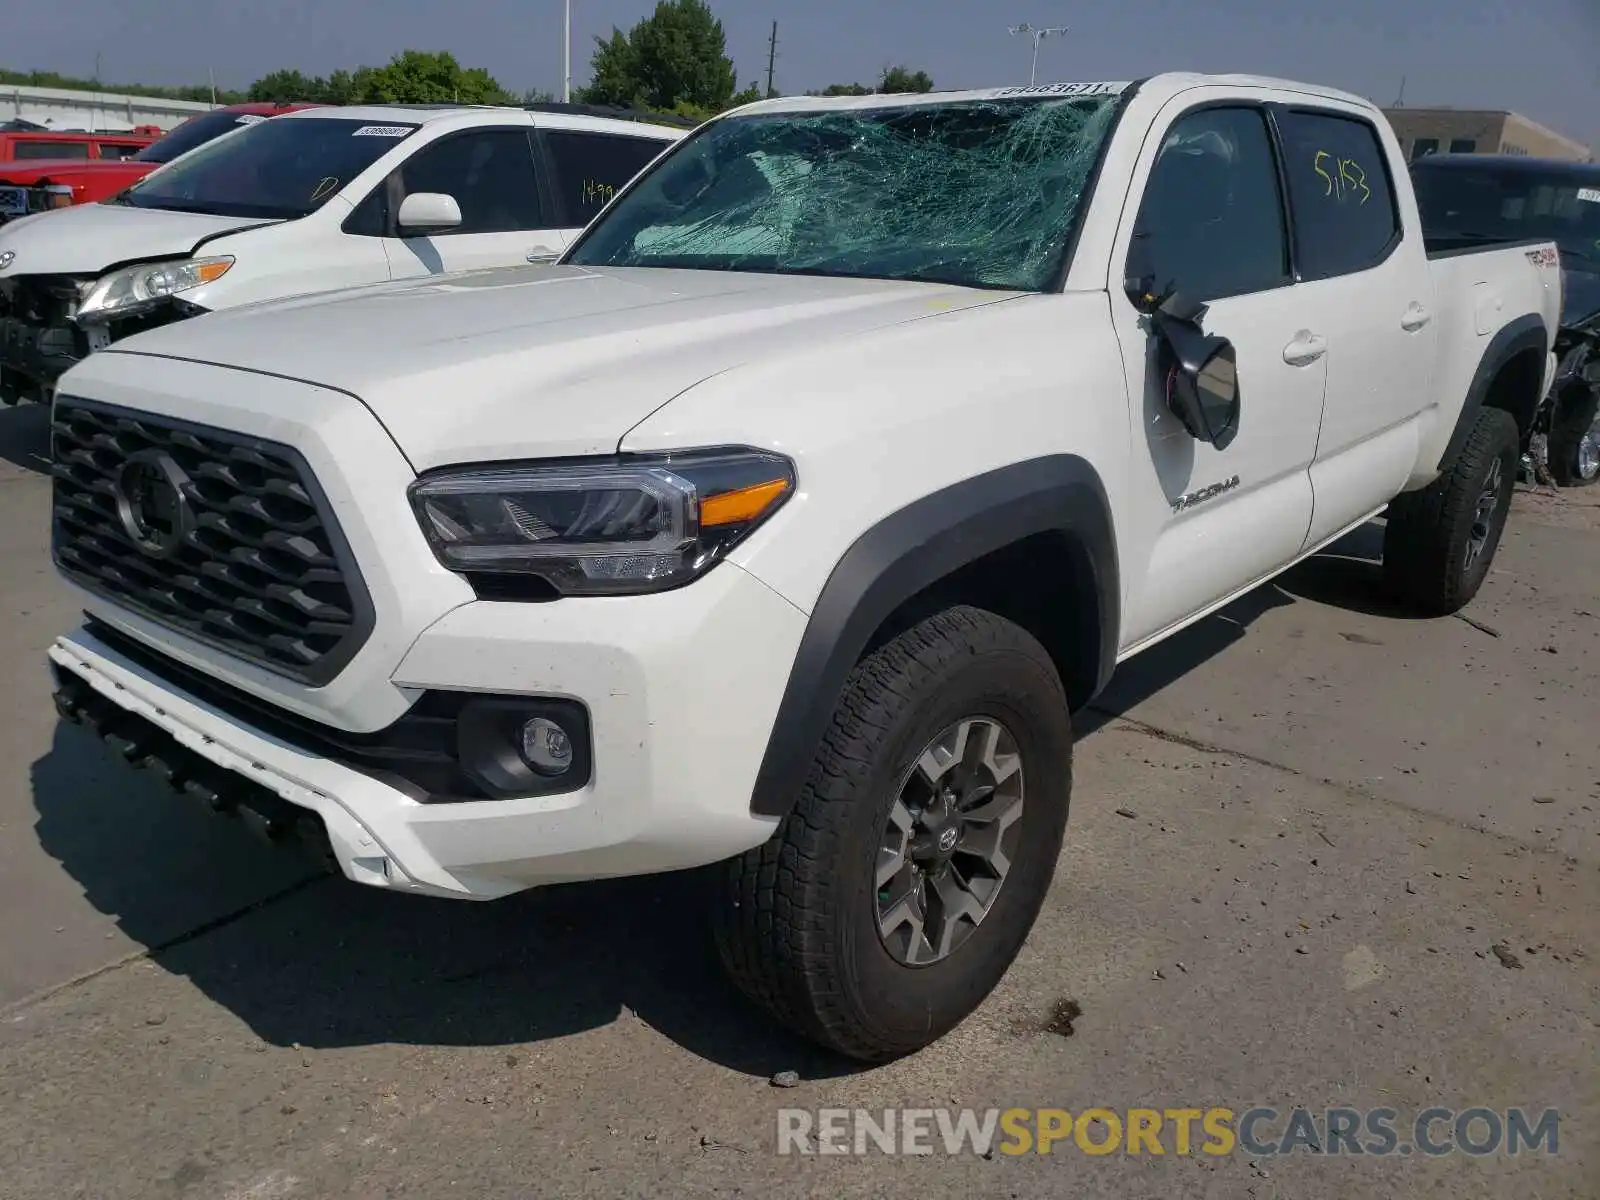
[(34, 185), (21, 141)]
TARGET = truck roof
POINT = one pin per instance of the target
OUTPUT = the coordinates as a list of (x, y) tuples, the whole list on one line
[(1171, 83)]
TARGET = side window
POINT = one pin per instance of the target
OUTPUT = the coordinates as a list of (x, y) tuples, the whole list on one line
[(371, 217), (490, 174), (1423, 147), (50, 149), (118, 150), (1211, 222), (1344, 211), (589, 169)]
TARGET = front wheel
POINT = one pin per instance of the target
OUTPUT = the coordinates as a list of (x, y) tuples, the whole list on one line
[(1440, 541), (895, 895)]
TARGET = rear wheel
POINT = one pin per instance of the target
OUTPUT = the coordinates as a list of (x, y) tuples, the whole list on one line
[(1440, 541), (896, 894)]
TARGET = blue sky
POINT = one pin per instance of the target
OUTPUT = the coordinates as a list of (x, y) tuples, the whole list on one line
[(1537, 57)]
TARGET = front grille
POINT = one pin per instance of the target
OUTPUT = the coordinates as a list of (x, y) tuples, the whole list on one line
[(222, 537)]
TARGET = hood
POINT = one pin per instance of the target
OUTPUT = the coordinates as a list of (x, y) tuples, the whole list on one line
[(87, 239), (535, 361), (41, 170)]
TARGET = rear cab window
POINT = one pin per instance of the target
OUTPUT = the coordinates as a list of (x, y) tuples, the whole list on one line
[(33, 149), (587, 169), (1345, 215)]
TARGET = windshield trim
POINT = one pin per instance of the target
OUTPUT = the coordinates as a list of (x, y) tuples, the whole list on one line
[(1069, 251)]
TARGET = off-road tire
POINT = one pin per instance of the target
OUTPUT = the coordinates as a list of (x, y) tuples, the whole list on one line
[(1572, 424), (1426, 557), (796, 919)]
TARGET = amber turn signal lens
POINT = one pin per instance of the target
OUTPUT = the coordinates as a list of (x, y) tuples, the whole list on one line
[(745, 504)]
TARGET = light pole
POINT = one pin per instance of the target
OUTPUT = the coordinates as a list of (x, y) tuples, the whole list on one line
[(566, 51), (1038, 35)]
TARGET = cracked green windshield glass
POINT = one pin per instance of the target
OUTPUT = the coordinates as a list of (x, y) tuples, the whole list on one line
[(983, 193)]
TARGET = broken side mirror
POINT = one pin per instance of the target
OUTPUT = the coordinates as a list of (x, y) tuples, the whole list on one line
[(1200, 376)]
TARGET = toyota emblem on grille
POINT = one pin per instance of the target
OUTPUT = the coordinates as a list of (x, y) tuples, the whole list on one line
[(7, 257), (151, 504)]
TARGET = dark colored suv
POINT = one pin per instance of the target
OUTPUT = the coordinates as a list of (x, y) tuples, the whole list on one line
[(1472, 199)]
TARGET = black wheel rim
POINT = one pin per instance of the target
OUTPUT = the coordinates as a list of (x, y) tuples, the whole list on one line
[(948, 844), (1484, 516)]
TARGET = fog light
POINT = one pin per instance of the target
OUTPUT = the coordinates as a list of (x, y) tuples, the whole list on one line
[(546, 747)]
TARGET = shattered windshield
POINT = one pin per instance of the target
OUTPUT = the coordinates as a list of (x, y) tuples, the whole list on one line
[(982, 193)]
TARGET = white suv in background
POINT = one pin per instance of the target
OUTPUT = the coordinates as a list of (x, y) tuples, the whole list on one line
[(311, 201)]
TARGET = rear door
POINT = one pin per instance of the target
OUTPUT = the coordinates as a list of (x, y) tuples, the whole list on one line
[(587, 168), (1207, 216), (1369, 272), (505, 214)]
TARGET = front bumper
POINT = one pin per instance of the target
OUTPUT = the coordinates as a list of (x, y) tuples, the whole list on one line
[(33, 357), (681, 690)]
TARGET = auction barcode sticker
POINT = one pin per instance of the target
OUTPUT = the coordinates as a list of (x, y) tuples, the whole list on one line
[(391, 131), (1589, 195), (249, 119)]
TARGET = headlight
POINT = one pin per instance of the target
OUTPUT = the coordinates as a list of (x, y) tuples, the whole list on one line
[(141, 287), (634, 524)]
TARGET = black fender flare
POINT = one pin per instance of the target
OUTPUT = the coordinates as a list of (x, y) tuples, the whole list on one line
[(1527, 332), (906, 553)]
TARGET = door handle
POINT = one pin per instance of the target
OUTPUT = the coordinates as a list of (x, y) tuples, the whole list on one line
[(1306, 348), (543, 256), (1416, 317)]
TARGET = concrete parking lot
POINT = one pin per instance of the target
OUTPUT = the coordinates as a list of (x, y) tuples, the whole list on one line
[(1321, 855)]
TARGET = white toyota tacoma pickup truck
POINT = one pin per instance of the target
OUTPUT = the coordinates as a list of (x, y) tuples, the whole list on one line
[(783, 525)]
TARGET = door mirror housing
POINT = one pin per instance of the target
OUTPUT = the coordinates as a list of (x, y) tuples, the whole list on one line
[(1200, 371), (422, 213)]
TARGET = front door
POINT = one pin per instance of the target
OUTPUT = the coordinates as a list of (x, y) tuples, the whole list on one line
[(504, 223), (1210, 222)]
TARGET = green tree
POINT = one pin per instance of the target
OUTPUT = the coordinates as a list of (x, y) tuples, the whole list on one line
[(287, 86), (902, 79), (893, 79), (673, 60), (338, 88), (421, 77)]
